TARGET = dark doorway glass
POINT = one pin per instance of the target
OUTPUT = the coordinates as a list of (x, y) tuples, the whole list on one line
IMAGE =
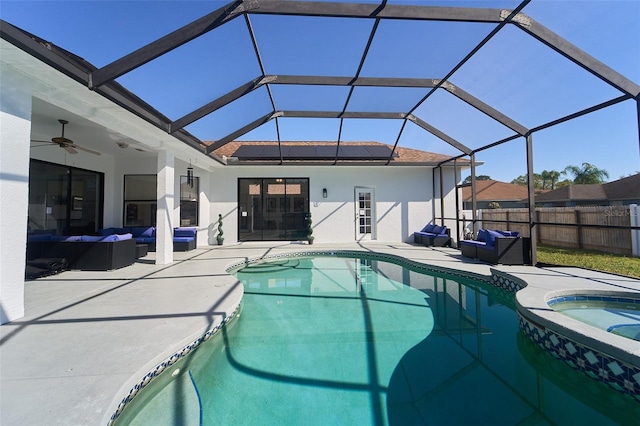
[(64, 200), (273, 209), (86, 202)]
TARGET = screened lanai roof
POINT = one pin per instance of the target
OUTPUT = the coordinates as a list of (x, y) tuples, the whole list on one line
[(418, 75)]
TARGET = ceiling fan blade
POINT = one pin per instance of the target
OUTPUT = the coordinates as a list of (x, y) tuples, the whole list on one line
[(84, 149), (42, 144), (69, 149)]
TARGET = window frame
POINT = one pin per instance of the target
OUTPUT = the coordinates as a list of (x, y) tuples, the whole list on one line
[(196, 186), (134, 202)]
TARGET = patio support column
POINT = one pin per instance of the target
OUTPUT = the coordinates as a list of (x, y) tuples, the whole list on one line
[(15, 132), (638, 111), (532, 201), (456, 186), (433, 192), (166, 201), (441, 196), (474, 204)]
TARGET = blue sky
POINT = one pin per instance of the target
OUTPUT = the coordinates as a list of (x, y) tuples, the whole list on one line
[(513, 73)]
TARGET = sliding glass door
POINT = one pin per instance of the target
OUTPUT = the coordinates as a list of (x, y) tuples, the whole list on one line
[(273, 209), (64, 200)]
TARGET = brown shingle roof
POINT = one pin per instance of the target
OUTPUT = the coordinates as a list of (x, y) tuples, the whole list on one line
[(493, 190), (574, 192), (623, 189), (404, 156)]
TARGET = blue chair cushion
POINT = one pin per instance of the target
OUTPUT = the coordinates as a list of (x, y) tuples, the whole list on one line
[(117, 237), (106, 231), (510, 233), (491, 237), (437, 229), (429, 227), (113, 230), (473, 243), (482, 235), (143, 231), (184, 232), (91, 238)]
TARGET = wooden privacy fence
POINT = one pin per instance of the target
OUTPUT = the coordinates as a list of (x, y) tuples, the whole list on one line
[(569, 227)]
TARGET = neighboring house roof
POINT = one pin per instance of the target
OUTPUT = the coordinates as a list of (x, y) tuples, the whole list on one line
[(493, 190), (573, 192), (623, 189), (402, 156)]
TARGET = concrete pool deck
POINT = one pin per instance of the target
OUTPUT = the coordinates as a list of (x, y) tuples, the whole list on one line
[(87, 336)]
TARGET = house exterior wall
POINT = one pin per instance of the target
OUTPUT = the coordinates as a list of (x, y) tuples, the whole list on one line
[(149, 166), (403, 195), (403, 199), (449, 188)]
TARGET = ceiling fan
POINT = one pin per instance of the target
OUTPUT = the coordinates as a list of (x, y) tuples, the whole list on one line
[(67, 144)]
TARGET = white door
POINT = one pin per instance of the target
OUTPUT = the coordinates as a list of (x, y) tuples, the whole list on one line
[(365, 214)]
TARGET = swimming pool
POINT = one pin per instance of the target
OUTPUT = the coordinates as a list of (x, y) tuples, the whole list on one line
[(617, 315), (332, 340)]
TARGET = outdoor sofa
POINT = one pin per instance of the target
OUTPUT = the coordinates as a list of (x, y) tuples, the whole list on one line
[(184, 238), (498, 247), (83, 252), (433, 235)]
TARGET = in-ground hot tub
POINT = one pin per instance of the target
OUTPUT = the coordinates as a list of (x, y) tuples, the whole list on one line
[(617, 315)]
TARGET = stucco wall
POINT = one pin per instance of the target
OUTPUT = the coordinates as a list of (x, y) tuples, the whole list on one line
[(403, 197), (149, 166), (15, 125)]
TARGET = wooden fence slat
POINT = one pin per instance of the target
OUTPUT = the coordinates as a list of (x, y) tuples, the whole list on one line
[(615, 241)]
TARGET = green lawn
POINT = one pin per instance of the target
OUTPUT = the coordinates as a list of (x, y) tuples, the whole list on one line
[(623, 265)]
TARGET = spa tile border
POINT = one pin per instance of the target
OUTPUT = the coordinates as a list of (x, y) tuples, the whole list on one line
[(598, 365), (579, 298), (623, 377)]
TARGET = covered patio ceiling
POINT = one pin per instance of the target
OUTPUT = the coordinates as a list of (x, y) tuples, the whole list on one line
[(412, 73)]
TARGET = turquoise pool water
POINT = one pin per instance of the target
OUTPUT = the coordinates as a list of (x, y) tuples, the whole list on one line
[(616, 315), (343, 341)]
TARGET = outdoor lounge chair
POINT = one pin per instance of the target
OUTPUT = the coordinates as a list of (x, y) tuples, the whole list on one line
[(498, 247), (433, 235)]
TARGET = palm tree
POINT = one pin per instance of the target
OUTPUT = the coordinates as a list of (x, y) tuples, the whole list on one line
[(545, 177), (550, 177), (554, 175), (587, 174)]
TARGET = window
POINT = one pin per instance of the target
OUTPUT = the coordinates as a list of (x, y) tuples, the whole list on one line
[(140, 200), (189, 201), (64, 200)]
